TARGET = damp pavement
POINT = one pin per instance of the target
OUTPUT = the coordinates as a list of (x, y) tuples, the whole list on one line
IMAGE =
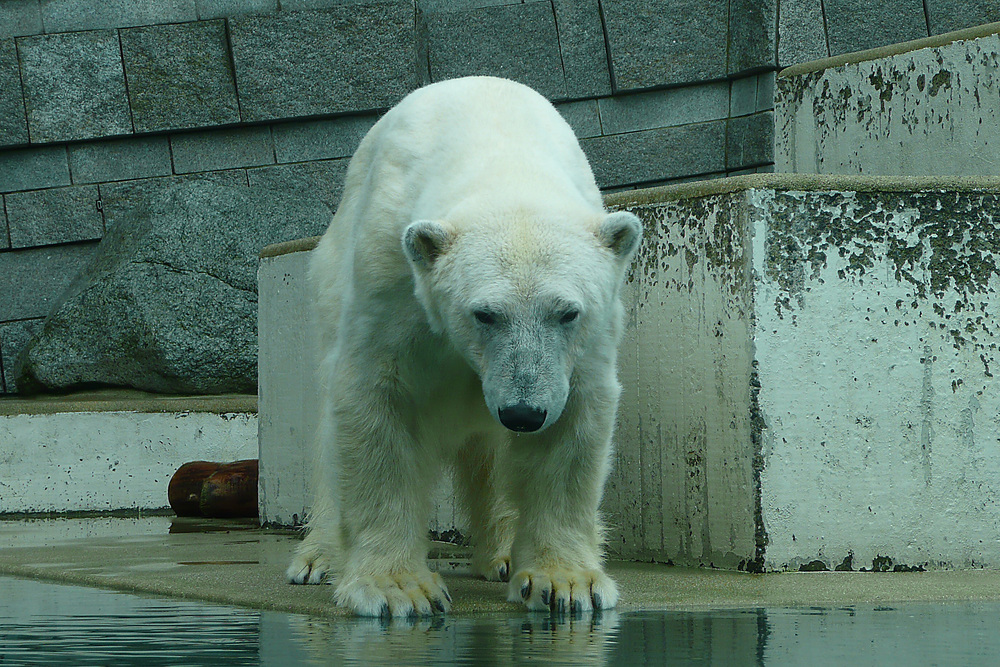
[(237, 563)]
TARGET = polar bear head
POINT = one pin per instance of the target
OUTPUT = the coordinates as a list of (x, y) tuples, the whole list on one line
[(530, 301)]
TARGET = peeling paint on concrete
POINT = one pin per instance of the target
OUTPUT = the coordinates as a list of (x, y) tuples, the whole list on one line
[(931, 111)]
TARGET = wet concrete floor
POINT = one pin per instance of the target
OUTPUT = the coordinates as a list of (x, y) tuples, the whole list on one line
[(237, 563)]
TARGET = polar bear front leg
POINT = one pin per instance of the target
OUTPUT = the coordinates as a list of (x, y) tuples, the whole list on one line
[(557, 557), (385, 507), (484, 491)]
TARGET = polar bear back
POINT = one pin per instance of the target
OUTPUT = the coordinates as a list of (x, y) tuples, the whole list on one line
[(474, 136)]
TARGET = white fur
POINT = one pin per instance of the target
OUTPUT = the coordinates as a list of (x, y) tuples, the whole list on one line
[(471, 198)]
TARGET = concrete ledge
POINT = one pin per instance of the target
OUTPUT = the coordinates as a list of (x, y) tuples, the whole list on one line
[(803, 183), (890, 50), (125, 400), (298, 245), (112, 450)]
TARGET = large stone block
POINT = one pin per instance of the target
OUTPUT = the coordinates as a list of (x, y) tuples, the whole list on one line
[(323, 179), (752, 35), (655, 43), (104, 451), (801, 32), (855, 25), (214, 9), (74, 86), (13, 337), (583, 117), (948, 15), (20, 17), (932, 110), (120, 159), (31, 168), (655, 155), (320, 139), (179, 76), (518, 42), (222, 149), (57, 215), (13, 124), (750, 141), (581, 44), (352, 57), (662, 108), (169, 302), (31, 280), (72, 15)]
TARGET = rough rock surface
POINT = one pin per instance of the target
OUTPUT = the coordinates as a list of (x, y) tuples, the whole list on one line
[(169, 302)]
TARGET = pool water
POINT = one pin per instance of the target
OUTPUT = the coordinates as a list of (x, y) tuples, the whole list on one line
[(52, 624)]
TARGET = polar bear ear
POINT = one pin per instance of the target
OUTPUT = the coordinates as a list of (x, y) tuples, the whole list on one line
[(621, 231), (424, 241)]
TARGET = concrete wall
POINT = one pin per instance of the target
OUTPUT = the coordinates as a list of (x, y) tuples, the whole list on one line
[(809, 370), (816, 381), (930, 107), (108, 454)]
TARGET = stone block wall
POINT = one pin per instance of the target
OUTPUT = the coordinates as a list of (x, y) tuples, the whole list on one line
[(103, 104)]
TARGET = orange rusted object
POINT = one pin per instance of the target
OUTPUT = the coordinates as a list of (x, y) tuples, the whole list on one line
[(184, 490), (231, 491), (205, 488)]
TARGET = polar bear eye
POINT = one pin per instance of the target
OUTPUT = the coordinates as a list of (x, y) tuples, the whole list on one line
[(484, 317), (569, 316)]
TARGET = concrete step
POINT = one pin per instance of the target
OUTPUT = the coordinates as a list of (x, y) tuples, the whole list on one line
[(809, 371), (110, 450), (927, 107)]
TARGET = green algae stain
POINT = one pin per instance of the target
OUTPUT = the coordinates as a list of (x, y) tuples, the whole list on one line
[(944, 245)]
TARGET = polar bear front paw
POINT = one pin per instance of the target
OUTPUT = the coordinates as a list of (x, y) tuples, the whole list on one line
[(496, 569), (563, 590), (394, 595), (307, 568)]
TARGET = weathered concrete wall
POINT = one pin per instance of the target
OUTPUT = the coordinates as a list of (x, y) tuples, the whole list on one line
[(808, 373), (58, 457), (931, 107), (683, 486), (876, 344)]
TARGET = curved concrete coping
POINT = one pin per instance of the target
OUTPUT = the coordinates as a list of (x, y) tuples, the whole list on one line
[(125, 400), (800, 182), (288, 247), (891, 50)]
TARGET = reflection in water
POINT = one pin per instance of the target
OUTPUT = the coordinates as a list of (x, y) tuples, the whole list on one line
[(586, 639), (49, 624)]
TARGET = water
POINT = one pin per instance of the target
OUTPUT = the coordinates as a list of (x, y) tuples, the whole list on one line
[(50, 624)]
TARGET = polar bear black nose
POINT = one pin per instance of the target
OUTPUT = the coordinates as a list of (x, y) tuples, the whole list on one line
[(522, 417)]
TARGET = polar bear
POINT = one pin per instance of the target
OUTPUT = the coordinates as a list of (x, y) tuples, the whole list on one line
[(468, 296)]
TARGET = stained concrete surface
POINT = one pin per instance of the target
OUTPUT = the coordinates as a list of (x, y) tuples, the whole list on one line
[(234, 562)]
